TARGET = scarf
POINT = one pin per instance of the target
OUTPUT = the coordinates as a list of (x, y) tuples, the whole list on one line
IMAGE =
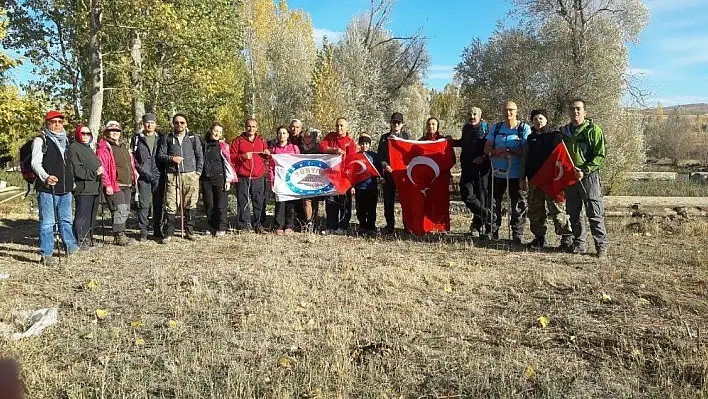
[(59, 139)]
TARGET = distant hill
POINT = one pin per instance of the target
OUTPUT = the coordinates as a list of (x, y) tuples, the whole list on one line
[(688, 109)]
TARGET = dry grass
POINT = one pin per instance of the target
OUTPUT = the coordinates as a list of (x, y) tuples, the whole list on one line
[(311, 316)]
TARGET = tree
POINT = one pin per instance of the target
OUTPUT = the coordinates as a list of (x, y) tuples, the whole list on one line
[(447, 107), (327, 95)]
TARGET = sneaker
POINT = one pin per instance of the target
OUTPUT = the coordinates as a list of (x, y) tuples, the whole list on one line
[(578, 249), (601, 254), (279, 232), (288, 232), (325, 232), (220, 234), (164, 240), (49, 261), (566, 244), (537, 243), (340, 232)]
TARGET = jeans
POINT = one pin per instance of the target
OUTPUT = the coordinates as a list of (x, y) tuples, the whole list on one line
[(46, 222)]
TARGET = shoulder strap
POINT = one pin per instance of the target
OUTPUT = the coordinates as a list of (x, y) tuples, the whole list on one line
[(520, 130), (44, 142), (497, 128)]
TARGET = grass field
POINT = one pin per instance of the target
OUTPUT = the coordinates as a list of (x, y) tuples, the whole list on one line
[(308, 316)]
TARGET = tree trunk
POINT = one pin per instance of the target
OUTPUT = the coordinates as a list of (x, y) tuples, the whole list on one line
[(136, 80), (96, 69)]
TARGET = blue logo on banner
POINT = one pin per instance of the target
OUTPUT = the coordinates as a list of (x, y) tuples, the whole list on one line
[(308, 163)]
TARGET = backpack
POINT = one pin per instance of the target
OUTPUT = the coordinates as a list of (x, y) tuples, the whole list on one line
[(498, 126), (26, 161)]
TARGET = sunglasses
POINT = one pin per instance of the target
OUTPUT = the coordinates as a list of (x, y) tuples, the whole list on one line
[(181, 122), (55, 121), (86, 133)]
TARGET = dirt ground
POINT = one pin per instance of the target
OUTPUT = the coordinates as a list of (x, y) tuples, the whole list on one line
[(307, 316)]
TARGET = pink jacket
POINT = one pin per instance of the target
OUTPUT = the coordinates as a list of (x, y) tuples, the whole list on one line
[(277, 149), (104, 152)]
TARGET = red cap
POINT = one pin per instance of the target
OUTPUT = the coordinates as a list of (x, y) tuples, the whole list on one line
[(53, 114)]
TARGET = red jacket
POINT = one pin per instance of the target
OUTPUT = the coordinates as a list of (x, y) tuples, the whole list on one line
[(249, 168), (104, 152), (333, 139)]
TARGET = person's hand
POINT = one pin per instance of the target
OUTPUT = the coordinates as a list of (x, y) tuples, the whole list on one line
[(99, 171), (248, 155), (523, 185), (579, 174), (388, 169), (340, 151), (109, 191), (176, 159), (266, 152), (227, 186), (52, 180), (479, 160)]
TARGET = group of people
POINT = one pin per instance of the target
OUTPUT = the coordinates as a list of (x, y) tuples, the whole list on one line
[(168, 172)]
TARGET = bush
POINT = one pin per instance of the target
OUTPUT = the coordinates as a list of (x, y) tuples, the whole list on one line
[(625, 148)]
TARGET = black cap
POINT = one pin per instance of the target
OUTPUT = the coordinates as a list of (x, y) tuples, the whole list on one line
[(397, 117), (364, 139), (539, 111)]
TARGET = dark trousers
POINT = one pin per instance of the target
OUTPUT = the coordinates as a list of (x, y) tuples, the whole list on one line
[(85, 218), (366, 208), (149, 197), (216, 202), (267, 196), (473, 190), (516, 203), (587, 195), (389, 201), (250, 191), (158, 204), (339, 211), (285, 214)]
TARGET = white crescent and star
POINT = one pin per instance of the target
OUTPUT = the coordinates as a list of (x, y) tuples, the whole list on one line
[(422, 160), (559, 175), (362, 165)]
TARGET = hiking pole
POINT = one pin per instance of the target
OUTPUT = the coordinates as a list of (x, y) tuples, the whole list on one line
[(57, 242), (492, 204), (508, 192), (181, 200)]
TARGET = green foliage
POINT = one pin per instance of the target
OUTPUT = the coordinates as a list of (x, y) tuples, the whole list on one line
[(20, 120)]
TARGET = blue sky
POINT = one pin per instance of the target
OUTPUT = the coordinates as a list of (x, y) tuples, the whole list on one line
[(670, 61)]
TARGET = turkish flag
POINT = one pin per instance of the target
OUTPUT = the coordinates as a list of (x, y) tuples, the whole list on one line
[(338, 178), (556, 173), (358, 167), (421, 171)]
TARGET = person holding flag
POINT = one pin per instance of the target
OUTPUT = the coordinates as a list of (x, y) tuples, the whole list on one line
[(389, 186), (539, 148), (338, 207), (586, 146), (366, 190)]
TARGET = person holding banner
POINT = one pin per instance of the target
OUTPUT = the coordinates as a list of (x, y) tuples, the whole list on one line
[(338, 207), (539, 146), (308, 211), (248, 152), (284, 210), (586, 145)]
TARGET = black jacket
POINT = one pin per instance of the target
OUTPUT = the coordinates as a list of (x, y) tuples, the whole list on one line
[(472, 145), (146, 162), (539, 146), (382, 150), (190, 150), (213, 163), (60, 166), (85, 163)]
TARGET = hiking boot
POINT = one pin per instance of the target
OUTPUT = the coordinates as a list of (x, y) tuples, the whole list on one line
[(537, 243), (220, 233), (143, 236), (259, 230), (49, 261), (122, 240), (578, 249), (601, 254)]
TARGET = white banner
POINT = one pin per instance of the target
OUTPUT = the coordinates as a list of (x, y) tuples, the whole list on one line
[(300, 175)]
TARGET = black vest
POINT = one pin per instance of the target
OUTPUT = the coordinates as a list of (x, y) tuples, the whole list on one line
[(541, 145), (55, 165)]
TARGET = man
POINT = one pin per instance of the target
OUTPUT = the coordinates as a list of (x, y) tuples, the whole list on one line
[(144, 146), (248, 152), (504, 147), (181, 152), (586, 145), (389, 188), (475, 172), (295, 132), (51, 163), (338, 208)]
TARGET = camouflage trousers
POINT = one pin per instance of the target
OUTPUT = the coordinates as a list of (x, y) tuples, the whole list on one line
[(540, 207)]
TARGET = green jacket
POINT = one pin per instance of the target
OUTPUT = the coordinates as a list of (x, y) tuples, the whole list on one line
[(586, 146)]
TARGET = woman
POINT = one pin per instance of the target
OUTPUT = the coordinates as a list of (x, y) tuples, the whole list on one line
[(87, 180), (431, 130), (118, 177), (539, 146), (284, 210), (216, 179), (309, 208)]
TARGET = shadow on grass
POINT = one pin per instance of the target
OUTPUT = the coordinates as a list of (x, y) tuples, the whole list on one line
[(18, 231)]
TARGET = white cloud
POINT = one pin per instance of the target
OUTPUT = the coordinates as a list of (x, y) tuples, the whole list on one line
[(446, 72), (332, 36)]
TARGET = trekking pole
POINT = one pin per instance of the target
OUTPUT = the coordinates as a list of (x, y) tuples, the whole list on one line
[(508, 191), (57, 243), (180, 186), (492, 204)]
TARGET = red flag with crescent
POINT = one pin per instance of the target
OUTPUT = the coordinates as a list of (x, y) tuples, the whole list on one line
[(421, 171), (556, 174), (358, 167)]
